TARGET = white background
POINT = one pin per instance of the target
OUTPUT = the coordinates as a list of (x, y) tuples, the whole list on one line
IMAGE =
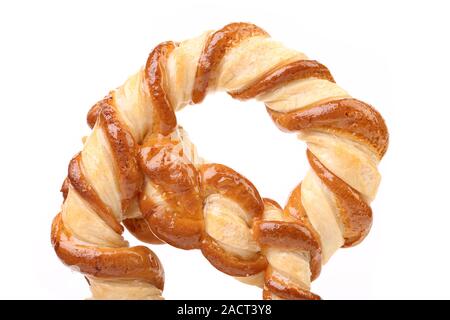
[(57, 58)]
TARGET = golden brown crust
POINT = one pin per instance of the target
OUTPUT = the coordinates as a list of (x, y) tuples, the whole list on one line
[(124, 150), (140, 228), (78, 181), (295, 209), (283, 289), (136, 263), (65, 188), (355, 118), (272, 203), (295, 233), (229, 263), (179, 220), (279, 76), (215, 49), (164, 118), (172, 227), (355, 213), (95, 110), (289, 235), (220, 179)]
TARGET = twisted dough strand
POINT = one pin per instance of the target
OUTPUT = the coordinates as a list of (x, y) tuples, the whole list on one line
[(192, 204), (100, 191)]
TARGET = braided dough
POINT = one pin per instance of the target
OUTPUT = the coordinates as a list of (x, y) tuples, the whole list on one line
[(139, 168)]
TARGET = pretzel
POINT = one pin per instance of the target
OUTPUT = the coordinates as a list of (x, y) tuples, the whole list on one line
[(138, 167)]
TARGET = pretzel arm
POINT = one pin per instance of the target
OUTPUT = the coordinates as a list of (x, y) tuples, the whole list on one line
[(100, 192), (346, 138), (139, 166)]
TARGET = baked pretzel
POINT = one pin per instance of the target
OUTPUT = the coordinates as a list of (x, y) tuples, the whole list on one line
[(139, 167)]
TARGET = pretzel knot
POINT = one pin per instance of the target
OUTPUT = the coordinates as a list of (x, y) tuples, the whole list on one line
[(139, 168)]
